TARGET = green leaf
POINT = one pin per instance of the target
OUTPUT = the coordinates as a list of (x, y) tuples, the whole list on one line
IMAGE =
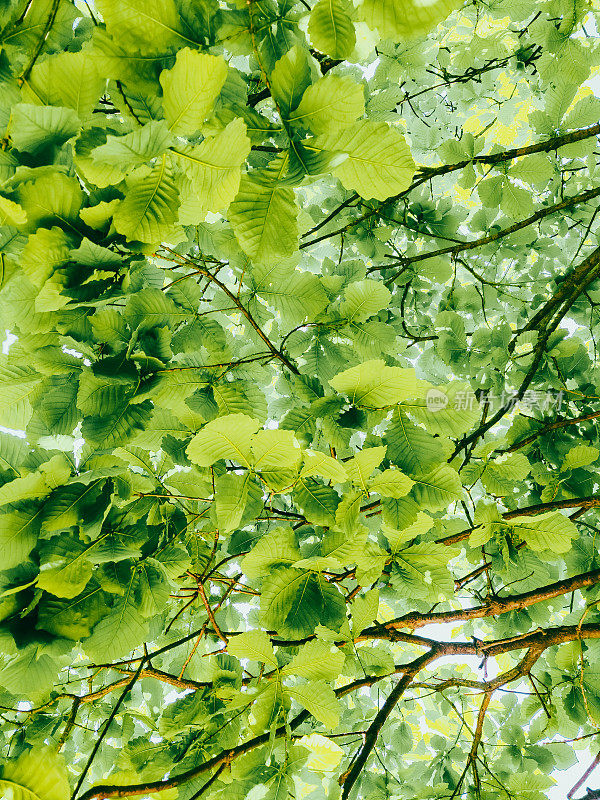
[(293, 602), (500, 475), (289, 80), (391, 483), (37, 484), (135, 148), (316, 660), (13, 452), (299, 297), (30, 672), (73, 619), (64, 569), (150, 208), (104, 388), (396, 538), (153, 25), (231, 494), (19, 529), (379, 163), (278, 547), (318, 698), (254, 645), (362, 465), (420, 571), (372, 384), (190, 89), (454, 418), (317, 463), (330, 104), (121, 630), (33, 127), (437, 489), (18, 384), (151, 308), (343, 547), (227, 437), (317, 501), (331, 29), (551, 531), (214, 171), (153, 589), (411, 447), (11, 213), (119, 426), (580, 456), (406, 19), (364, 610), (66, 79), (264, 220), (268, 707), (37, 774), (363, 299), (53, 197), (273, 449)]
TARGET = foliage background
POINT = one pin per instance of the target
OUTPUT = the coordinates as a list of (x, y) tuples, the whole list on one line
[(242, 245)]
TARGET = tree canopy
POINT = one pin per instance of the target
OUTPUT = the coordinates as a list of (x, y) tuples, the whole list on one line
[(300, 399)]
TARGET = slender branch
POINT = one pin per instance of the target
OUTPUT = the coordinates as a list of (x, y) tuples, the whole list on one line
[(208, 783), (567, 286), (459, 248), (495, 606), (111, 716), (69, 724), (331, 216), (425, 174), (277, 353), (540, 640), (554, 143), (211, 615), (585, 775), (547, 320), (41, 42), (479, 726), (593, 501), (552, 426), (349, 778)]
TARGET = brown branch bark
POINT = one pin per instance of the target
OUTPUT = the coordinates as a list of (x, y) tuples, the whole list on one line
[(485, 702), (459, 248), (548, 319), (494, 607), (539, 640), (243, 310), (571, 283), (349, 778), (553, 426), (426, 173), (101, 736), (585, 775)]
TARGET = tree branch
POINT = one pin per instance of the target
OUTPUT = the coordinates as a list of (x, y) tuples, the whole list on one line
[(41, 42), (426, 173), (539, 640), (494, 607), (546, 322), (349, 778), (111, 716), (459, 248), (552, 426)]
